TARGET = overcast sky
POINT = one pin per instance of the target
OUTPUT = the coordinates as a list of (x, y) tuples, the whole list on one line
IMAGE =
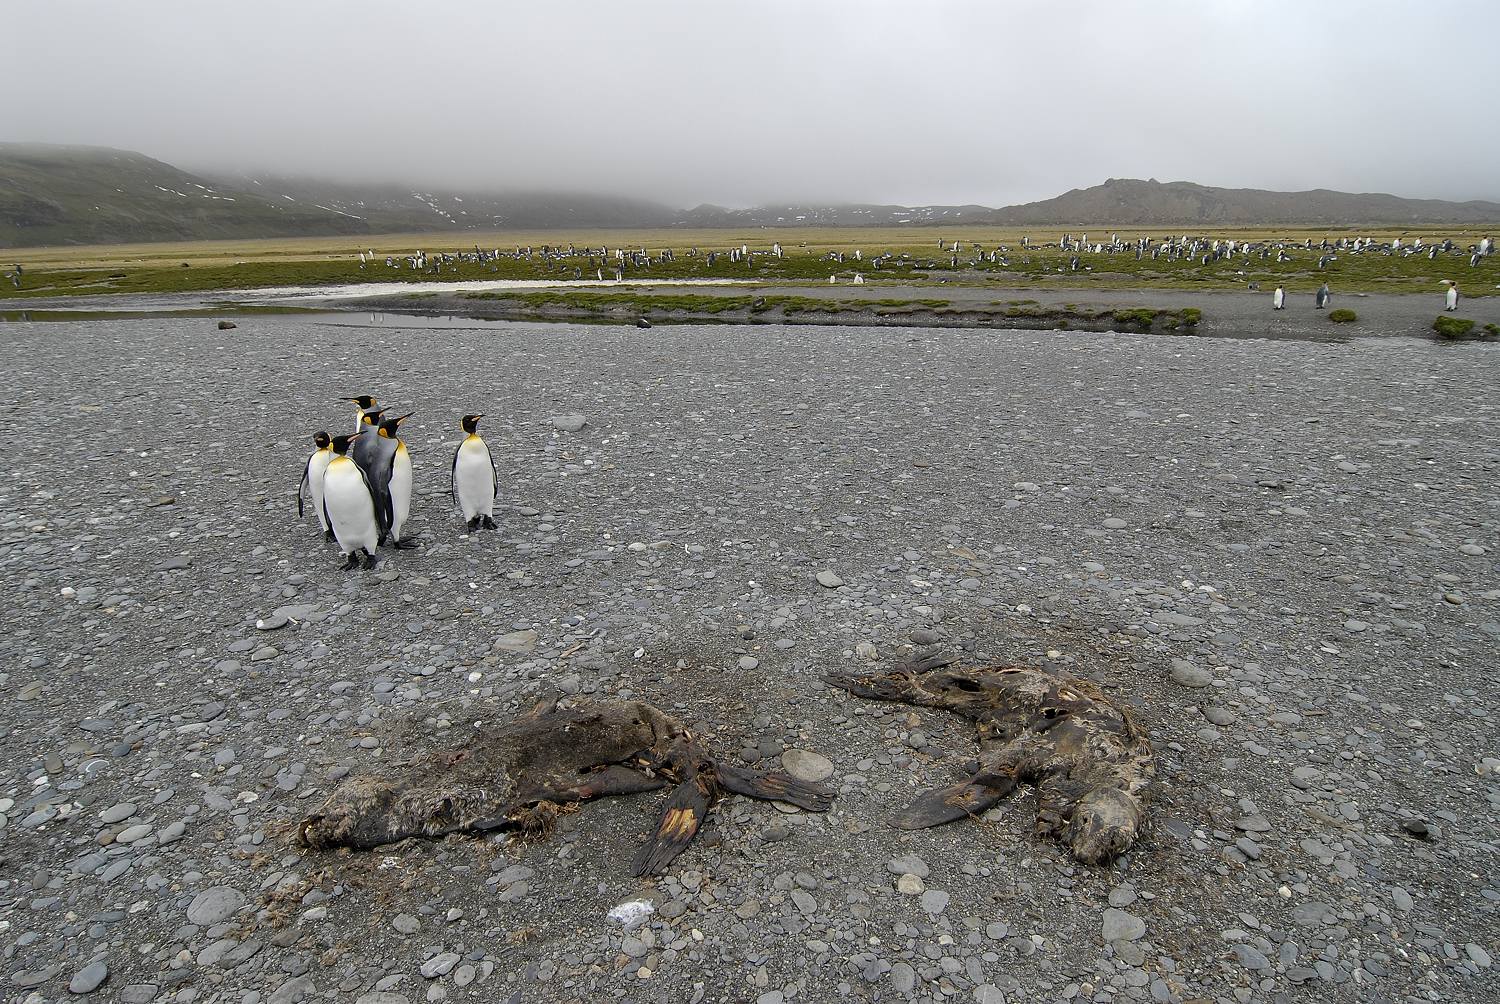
[(738, 103)]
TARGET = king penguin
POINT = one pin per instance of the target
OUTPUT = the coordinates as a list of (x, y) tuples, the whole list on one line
[(370, 452), (1323, 296), (349, 505), (1278, 299), (474, 477), (1450, 299), (392, 478), (312, 478), (365, 405)]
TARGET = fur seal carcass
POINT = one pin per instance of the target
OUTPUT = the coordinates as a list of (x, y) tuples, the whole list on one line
[(520, 774), (1088, 757)]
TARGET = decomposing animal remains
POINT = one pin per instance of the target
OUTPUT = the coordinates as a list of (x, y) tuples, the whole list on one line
[(520, 774), (1088, 757)]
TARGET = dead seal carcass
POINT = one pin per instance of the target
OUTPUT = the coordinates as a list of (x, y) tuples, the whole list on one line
[(1088, 757), (518, 776)]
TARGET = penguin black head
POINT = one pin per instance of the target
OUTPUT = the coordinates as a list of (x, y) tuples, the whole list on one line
[(388, 426), (340, 444), (470, 424), (371, 418), (321, 440), (364, 401)]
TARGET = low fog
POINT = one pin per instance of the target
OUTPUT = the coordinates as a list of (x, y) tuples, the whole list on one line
[(740, 104)]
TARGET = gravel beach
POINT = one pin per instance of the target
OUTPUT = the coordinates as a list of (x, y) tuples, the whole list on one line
[(1282, 553)]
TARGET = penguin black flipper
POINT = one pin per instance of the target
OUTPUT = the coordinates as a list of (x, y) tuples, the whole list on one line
[(382, 510), (301, 487), (453, 477), (378, 480)]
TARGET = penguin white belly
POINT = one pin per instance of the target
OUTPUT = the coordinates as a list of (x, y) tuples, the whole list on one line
[(317, 465), (474, 479), (351, 511), (400, 490)]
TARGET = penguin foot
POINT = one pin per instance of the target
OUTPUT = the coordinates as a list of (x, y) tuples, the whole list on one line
[(489, 524), (473, 524), (370, 560), (351, 564), (403, 545)]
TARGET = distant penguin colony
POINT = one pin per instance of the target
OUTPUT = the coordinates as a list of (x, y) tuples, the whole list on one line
[(361, 484)]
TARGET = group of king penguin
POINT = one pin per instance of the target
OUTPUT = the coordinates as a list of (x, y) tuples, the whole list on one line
[(361, 484)]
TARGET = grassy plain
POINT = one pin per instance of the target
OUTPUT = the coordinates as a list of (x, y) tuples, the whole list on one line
[(238, 265)]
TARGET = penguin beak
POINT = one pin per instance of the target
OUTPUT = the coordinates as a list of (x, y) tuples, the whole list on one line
[(403, 418)]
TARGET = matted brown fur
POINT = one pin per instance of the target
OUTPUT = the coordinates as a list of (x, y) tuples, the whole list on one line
[(1088, 757), (519, 775)]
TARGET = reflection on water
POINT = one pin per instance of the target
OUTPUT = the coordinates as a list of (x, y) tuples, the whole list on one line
[(324, 318)]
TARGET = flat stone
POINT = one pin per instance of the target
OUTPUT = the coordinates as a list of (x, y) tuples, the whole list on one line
[(516, 641), (440, 965), (87, 979), (1185, 674), (213, 906), (935, 901), (908, 864), (118, 812), (131, 834), (829, 579), (568, 423), (1121, 926), (806, 765)]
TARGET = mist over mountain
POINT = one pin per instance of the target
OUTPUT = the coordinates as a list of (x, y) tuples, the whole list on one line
[(95, 195)]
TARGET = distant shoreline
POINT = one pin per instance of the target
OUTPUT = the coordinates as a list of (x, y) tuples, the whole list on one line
[(1155, 311)]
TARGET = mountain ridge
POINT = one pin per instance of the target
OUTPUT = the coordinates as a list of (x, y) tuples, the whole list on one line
[(99, 195)]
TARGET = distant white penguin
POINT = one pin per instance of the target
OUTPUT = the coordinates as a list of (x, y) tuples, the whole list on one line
[(1450, 300), (1278, 299)]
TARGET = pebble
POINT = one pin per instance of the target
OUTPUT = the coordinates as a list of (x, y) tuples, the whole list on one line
[(1121, 926), (1186, 674), (517, 641), (829, 579), (211, 906), (88, 979), (806, 765)]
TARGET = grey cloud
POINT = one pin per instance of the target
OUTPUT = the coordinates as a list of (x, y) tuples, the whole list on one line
[(739, 103)]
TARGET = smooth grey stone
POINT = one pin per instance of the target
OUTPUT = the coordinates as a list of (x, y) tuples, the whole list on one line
[(215, 905)]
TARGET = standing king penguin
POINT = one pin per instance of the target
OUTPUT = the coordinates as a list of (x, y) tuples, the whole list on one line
[(371, 452), (1278, 299), (392, 478), (312, 478), (474, 477), (349, 505), (1450, 299)]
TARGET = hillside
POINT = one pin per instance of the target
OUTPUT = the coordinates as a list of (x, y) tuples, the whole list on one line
[(1126, 202), (95, 195), (398, 209)]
